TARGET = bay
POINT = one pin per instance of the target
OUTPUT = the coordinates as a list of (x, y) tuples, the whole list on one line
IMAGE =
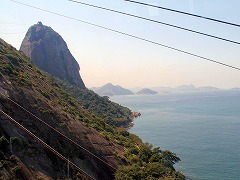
[(202, 128)]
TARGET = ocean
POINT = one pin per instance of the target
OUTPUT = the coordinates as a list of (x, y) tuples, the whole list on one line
[(202, 128)]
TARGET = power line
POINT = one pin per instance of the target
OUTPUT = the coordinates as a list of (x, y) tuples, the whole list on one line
[(46, 145), (158, 22), (130, 35), (63, 135), (186, 13)]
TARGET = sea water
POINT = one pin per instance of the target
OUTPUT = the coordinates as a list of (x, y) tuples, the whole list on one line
[(202, 128)]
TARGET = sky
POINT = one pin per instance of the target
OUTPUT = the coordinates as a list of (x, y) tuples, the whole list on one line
[(105, 56)]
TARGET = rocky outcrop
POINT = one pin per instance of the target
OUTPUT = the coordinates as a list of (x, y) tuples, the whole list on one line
[(136, 114), (49, 52)]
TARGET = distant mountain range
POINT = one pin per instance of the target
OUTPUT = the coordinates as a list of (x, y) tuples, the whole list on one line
[(111, 90), (182, 88)]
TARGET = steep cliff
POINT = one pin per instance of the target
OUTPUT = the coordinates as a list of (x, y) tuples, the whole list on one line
[(49, 52)]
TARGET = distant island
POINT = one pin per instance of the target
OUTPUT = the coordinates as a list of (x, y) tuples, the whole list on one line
[(111, 90), (146, 91)]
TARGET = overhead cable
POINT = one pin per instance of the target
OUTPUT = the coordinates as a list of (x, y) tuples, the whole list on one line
[(186, 13), (158, 22), (57, 131), (130, 35), (46, 145)]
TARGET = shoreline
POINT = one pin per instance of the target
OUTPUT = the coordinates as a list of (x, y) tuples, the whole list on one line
[(134, 114)]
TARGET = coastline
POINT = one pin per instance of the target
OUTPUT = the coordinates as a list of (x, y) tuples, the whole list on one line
[(134, 114)]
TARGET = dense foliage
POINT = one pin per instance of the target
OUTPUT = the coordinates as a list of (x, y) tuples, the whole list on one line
[(111, 112), (148, 163)]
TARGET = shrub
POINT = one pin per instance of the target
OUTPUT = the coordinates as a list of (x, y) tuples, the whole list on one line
[(4, 163), (17, 170), (4, 142), (46, 95), (14, 140)]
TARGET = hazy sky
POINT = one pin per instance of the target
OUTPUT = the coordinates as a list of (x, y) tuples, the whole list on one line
[(105, 56)]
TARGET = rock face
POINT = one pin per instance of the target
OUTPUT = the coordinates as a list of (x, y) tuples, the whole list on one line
[(49, 52)]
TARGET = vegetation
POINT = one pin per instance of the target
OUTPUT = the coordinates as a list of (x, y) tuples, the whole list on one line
[(3, 142), (17, 170), (148, 163), (14, 140), (112, 113)]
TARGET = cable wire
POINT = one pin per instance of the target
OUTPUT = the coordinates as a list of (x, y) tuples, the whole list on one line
[(63, 135), (159, 22), (186, 13), (46, 145), (130, 35)]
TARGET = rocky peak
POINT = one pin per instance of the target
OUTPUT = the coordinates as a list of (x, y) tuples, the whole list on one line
[(49, 52)]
